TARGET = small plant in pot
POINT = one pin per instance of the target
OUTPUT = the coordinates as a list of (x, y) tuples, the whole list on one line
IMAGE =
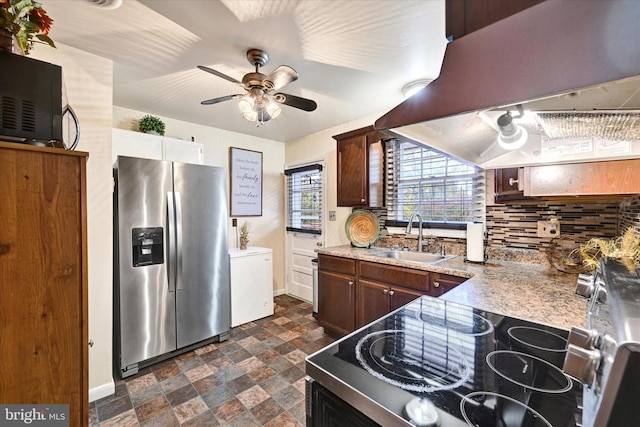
[(151, 124)]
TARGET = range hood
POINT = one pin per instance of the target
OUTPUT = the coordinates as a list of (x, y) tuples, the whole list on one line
[(576, 61)]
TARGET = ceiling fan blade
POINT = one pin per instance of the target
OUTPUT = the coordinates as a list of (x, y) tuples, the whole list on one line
[(280, 77), (219, 74), (295, 101), (220, 99)]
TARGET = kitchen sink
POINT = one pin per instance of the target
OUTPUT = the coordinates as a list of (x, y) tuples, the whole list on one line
[(423, 257)]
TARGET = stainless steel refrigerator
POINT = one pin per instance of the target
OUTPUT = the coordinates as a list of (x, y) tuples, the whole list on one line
[(171, 263)]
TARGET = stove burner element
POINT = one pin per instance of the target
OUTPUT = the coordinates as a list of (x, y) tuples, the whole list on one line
[(413, 361), (538, 338), (463, 322), (529, 371), (485, 409), (422, 412), (544, 344)]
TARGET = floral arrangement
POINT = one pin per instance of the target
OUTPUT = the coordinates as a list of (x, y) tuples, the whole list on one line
[(151, 124), (244, 235), (26, 20), (625, 248)]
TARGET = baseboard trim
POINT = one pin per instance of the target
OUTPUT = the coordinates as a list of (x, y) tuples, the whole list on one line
[(279, 292), (101, 391)]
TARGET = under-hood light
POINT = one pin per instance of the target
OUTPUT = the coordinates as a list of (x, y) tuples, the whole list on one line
[(512, 136), (515, 141)]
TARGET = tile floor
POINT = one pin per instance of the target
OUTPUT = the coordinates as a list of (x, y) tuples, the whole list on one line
[(256, 378)]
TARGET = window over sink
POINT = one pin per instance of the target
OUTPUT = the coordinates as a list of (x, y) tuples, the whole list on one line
[(444, 190)]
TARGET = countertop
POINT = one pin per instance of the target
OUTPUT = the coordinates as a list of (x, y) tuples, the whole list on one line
[(535, 292)]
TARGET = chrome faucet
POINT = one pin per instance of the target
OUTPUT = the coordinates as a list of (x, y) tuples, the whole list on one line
[(410, 225)]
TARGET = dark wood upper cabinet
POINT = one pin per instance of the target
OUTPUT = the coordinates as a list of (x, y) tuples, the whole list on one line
[(509, 184), (466, 16), (360, 168)]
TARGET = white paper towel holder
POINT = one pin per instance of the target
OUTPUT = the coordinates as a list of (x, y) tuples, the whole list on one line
[(486, 258), (484, 246)]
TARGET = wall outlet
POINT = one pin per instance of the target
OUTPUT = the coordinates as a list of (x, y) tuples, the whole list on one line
[(332, 215), (548, 228), (234, 222)]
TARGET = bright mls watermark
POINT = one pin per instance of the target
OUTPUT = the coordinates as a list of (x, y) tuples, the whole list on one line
[(34, 415)]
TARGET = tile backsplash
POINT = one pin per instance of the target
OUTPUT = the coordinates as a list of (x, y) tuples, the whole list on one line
[(512, 229), (629, 215), (516, 225)]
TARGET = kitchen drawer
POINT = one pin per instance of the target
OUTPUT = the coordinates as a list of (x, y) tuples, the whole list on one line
[(416, 279), (337, 264)]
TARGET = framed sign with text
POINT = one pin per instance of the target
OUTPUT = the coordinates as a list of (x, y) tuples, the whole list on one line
[(245, 169)]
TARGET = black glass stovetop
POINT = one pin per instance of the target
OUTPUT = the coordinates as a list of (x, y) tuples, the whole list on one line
[(435, 362)]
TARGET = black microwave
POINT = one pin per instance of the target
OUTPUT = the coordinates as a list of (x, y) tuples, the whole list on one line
[(30, 100)]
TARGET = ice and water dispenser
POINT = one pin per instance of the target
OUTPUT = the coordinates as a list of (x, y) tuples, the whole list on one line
[(147, 245)]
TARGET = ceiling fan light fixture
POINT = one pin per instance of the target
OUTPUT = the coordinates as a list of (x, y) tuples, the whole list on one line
[(251, 116), (413, 87), (246, 104), (273, 109)]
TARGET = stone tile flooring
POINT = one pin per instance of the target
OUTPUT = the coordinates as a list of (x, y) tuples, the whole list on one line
[(256, 378)]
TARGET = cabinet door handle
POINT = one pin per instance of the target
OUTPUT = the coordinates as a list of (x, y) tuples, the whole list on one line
[(350, 282), (385, 291), (362, 200), (436, 284), (391, 292), (512, 182)]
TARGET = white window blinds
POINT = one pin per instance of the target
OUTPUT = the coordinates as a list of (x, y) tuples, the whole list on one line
[(304, 199), (438, 186)]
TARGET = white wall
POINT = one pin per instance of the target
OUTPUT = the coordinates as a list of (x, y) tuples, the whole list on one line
[(89, 82), (321, 144)]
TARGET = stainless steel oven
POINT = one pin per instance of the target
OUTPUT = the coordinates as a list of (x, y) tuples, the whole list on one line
[(606, 354)]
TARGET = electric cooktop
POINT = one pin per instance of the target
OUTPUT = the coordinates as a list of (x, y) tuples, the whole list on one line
[(435, 362)]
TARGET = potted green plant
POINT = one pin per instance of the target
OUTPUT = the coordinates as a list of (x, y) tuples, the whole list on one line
[(26, 21), (151, 124)]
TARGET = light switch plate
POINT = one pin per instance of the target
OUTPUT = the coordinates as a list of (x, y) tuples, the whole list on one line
[(548, 228)]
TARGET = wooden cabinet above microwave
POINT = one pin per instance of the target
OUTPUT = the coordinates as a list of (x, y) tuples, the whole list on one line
[(619, 177), (360, 168), (610, 180)]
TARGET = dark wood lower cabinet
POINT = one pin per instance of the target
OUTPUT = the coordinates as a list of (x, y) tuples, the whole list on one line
[(325, 409), (373, 301), (353, 293), (377, 299), (402, 296), (336, 303)]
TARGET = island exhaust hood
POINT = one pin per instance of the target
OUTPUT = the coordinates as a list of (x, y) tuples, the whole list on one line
[(578, 62)]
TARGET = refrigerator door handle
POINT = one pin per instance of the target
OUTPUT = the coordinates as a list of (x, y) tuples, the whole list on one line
[(171, 225), (178, 202)]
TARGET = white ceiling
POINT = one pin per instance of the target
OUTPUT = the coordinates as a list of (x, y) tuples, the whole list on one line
[(353, 57)]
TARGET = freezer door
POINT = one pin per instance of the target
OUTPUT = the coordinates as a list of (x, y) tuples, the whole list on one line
[(144, 302), (202, 284)]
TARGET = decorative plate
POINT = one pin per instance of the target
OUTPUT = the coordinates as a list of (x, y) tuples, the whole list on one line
[(362, 228)]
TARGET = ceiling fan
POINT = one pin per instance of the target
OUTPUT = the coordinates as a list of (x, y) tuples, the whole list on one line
[(259, 104)]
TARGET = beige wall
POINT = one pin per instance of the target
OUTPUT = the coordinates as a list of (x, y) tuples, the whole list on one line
[(322, 145), (89, 82)]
